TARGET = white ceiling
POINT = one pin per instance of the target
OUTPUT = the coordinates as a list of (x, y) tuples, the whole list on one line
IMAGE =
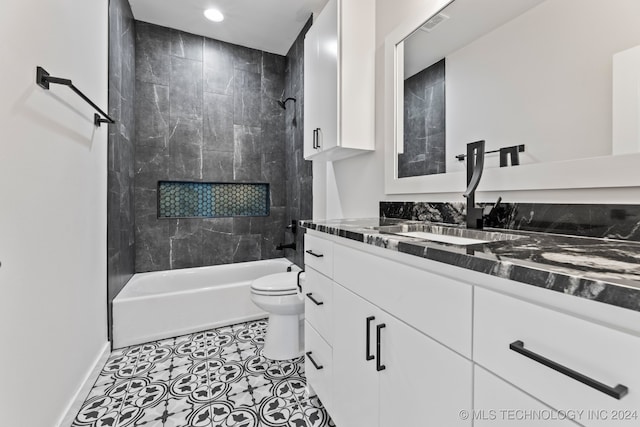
[(268, 25)]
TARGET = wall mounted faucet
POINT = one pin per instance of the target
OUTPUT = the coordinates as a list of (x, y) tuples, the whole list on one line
[(475, 166)]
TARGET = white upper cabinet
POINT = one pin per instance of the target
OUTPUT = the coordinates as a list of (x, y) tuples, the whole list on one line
[(339, 90)]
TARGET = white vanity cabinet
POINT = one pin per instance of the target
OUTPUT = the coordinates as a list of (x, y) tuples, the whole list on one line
[(413, 342), (339, 54), (499, 404), (534, 348), (386, 372)]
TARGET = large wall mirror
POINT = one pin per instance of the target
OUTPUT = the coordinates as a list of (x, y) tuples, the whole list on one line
[(559, 77)]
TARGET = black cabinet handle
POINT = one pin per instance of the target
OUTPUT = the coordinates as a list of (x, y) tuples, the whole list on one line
[(617, 392), (318, 138), (310, 252), (379, 366), (316, 302), (369, 355), (315, 365), (315, 138)]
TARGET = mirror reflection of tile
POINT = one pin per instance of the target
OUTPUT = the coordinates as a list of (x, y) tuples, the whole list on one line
[(424, 123)]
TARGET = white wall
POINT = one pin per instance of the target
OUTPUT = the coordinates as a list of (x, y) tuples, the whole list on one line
[(359, 181), (53, 173), (560, 102)]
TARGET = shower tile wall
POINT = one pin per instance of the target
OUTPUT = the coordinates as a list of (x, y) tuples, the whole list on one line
[(206, 111), (120, 218), (424, 123), (299, 171)]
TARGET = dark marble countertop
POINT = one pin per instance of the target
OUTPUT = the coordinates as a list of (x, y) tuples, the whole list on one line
[(603, 270)]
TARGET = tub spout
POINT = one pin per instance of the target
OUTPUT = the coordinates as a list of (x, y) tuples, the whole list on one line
[(282, 246)]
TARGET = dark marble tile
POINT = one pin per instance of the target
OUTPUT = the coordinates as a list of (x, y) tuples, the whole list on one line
[(247, 59), (217, 247), (217, 166), (274, 172), (185, 90), (152, 114), (185, 244), (120, 156), (153, 46), (247, 101), (218, 122), (218, 67), (247, 160), (424, 123), (185, 149), (186, 45), (152, 243), (248, 248)]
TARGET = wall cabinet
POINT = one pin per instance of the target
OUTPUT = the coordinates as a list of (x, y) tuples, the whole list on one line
[(339, 81)]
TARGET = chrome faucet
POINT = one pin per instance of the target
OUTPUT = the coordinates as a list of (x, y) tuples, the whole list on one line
[(475, 166)]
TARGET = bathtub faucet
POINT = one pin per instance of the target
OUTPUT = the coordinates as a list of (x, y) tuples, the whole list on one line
[(281, 246)]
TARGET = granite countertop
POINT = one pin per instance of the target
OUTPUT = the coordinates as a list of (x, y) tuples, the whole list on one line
[(598, 269)]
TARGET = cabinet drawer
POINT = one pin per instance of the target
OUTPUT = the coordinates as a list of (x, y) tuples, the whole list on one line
[(318, 365), (435, 305), (499, 404), (318, 303), (318, 254), (596, 352)]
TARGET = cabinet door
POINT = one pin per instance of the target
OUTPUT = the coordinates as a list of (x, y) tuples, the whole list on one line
[(327, 76), (311, 91), (355, 380), (424, 383), (499, 404)]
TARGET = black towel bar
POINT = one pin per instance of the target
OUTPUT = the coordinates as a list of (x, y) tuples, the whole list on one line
[(43, 79)]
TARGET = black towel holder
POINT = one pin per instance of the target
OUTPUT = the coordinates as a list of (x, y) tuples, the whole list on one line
[(43, 79)]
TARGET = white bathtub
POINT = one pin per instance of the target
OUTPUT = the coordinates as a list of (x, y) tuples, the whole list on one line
[(166, 304)]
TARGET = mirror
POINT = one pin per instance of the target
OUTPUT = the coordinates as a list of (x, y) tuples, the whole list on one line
[(560, 77)]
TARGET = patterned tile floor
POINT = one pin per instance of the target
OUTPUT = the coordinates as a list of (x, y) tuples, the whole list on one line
[(216, 378)]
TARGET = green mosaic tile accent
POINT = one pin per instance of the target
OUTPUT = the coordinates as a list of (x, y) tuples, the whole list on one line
[(211, 200)]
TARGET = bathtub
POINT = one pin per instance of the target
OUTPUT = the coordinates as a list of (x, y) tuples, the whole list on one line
[(166, 304)]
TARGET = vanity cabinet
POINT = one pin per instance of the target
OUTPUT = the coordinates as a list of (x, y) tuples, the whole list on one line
[(385, 371), (512, 337), (499, 404), (409, 341), (339, 53), (388, 374)]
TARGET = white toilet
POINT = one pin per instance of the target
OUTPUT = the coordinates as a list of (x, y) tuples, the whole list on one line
[(279, 295)]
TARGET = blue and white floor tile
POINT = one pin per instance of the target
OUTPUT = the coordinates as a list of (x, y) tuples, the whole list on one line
[(216, 378)]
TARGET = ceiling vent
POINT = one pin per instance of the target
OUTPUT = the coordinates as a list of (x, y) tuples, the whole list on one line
[(434, 22)]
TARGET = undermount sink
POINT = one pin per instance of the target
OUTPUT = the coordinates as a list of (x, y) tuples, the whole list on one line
[(446, 234)]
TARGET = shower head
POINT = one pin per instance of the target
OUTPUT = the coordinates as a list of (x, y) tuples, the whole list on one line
[(282, 103)]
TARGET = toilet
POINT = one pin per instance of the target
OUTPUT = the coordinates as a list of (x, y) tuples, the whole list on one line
[(279, 295)]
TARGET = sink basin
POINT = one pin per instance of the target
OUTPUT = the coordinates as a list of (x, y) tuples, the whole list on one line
[(445, 234)]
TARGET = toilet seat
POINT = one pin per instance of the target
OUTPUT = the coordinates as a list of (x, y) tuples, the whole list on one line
[(279, 284)]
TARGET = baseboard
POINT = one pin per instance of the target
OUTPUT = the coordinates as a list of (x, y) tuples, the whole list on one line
[(85, 388)]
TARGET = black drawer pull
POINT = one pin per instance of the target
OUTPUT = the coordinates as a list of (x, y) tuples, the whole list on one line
[(315, 301), (310, 252), (617, 392), (315, 365), (315, 138), (379, 366), (369, 355), (318, 137)]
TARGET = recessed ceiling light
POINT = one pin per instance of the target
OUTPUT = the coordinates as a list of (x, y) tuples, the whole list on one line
[(214, 15)]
